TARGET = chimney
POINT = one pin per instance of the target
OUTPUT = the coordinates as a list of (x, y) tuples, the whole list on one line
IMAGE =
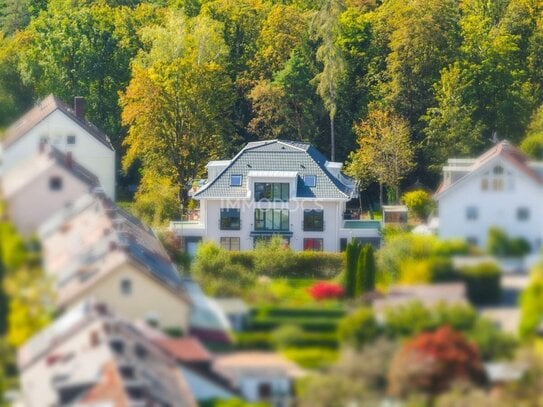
[(79, 107)]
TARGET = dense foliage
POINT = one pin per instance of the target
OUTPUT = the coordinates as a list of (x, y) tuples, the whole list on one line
[(163, 78)]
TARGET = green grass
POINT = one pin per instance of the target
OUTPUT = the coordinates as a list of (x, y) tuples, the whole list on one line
[(311, 357)]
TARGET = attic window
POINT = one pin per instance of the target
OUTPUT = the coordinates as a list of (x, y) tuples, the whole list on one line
[(310, 180), (498, 170), (55, 183), (235, 180), (70, 139)]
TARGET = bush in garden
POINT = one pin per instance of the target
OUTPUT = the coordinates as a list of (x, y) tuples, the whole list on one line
[(419, 203), (273, 258), (351, 263), (531, 305), (324, 290), (501, 245), (216, 273), (286, 335), (483, 283), (431, 361), (358, 328), (365, 271)]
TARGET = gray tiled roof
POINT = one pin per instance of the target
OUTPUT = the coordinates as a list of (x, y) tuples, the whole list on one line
[(40, 112), (278, 155)]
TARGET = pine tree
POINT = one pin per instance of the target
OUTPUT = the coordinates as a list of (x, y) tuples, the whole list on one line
[(349, 282)]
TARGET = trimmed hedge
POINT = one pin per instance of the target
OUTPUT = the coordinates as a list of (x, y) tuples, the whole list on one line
[(305, 264), (262, 340), (307, 324), (284, 312), (483, 283)]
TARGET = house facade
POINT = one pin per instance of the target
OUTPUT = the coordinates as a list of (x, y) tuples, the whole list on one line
[(53, 122), (501, 188), (276, 188), (94, 249), (92, 357), (43, 184)]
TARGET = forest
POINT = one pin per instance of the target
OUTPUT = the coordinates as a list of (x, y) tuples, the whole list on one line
[(175, 83)]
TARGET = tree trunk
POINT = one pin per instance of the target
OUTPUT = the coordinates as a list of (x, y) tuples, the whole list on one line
[(332, 139)]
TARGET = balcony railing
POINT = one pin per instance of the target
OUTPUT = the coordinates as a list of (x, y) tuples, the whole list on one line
[(352, 214), (362, 224)]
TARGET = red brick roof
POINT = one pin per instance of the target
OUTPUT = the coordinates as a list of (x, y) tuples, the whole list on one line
[(187, 349)]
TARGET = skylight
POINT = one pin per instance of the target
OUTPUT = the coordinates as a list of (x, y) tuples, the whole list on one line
[(310, 180), (235, 180)]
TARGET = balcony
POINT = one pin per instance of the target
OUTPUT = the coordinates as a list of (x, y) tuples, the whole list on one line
[(362, 224)]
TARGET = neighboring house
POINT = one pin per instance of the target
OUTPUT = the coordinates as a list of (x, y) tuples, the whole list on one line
[(195, 362), (260, 376), (276, 188), (91, 357), (501, 188), (53, 122), (43, 184), (95, 249)]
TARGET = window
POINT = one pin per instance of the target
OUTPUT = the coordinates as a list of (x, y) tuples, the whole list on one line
[(264, 391), (472, 240), (342, 244), (484, 184), (235, 180), (498, 170), (271, 219), (523, 214), (126, 287), (70, 139), (313, 244), (55, 183), (472, 213), (310, 180), (230, 219), (272, 192), (230, 243), (314, 220)]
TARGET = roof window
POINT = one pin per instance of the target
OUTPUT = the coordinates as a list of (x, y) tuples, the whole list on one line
[(310, 180), (235, 180)]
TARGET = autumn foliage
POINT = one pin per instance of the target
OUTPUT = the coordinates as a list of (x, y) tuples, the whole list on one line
[(431, 361), (324, 290)]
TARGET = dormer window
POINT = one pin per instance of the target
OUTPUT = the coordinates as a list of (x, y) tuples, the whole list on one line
[(235, 180), (310, 180)]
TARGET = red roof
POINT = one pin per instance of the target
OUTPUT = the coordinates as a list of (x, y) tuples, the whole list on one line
[(187, 349)]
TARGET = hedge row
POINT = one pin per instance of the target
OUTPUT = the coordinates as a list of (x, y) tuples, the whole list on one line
[(263, 340), (305, 264), (285, 312), (307, 324)]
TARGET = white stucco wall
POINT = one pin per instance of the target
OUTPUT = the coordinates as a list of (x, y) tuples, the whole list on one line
[(495, 208), (87, 150), (34, 203)]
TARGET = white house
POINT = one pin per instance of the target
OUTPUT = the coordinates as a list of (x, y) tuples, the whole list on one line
[(53, 122), (501, 188), (276, 188), (43, 184), (95, 249), (92, 357)]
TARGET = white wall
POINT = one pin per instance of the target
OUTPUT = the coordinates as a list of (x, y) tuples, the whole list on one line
[(495, 208), (36, 202), (87, 150)]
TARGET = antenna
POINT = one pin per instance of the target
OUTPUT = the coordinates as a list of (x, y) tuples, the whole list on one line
[(495, 139)]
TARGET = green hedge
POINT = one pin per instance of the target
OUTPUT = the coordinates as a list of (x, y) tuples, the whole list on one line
[(262, 340), (483, 283), (305, 264), (307, 324), (285, 312)]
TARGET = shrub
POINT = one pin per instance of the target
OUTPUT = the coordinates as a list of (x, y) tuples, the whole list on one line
[(216, 273), (286, 335), (273, 258), (531, 303), (499, 244), (324, 290), (492, 342), (358, 328), (349, 279), (419, 203), (365, 271), (311, 357), (431, 361), (253, 340), (483, 283)]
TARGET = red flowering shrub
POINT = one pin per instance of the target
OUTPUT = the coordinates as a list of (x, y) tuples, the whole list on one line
[(431, 361), (324, 290)]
